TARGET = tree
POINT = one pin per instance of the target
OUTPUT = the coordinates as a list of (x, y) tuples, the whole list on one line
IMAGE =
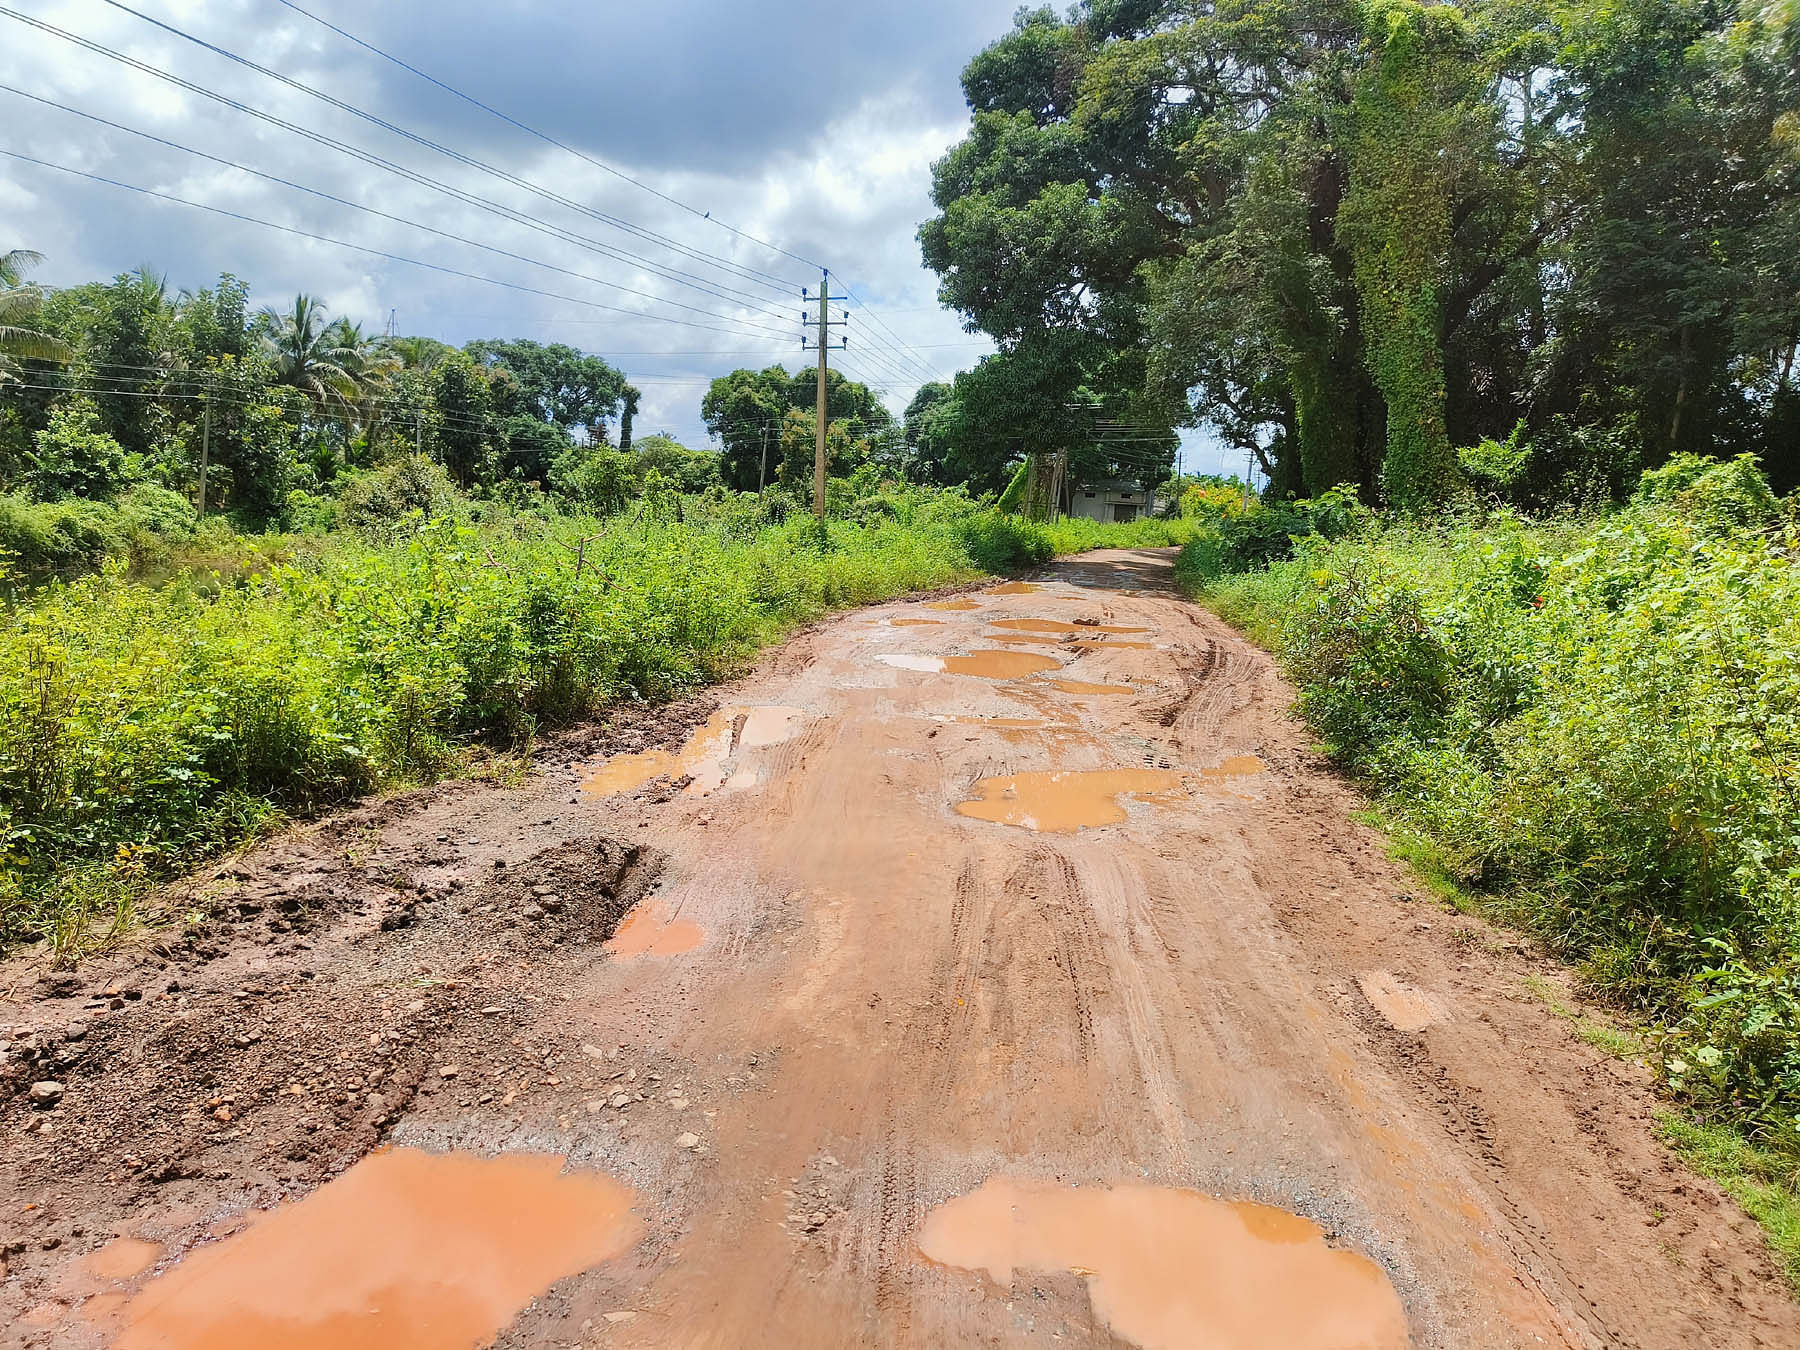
[(19, 304), (309, 354), (746, 411), (459, 420), (558, 384), (687, 470)]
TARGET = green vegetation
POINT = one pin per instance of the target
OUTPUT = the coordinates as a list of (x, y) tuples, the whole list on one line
[(1592, 722), (1354, 235), (143, 727)]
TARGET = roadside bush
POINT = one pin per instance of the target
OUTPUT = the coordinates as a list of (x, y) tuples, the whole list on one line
[(1596, 720)]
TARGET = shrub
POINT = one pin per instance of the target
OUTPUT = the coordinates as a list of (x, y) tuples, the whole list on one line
[(1596, 720)]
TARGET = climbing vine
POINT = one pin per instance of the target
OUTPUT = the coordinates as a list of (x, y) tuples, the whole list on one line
[(1395, 221)]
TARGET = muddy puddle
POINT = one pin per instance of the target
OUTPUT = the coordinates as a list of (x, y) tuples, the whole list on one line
[(703, 758), (405, 1251), (989, 665), (1102, 644), (1170, 1268), (958, 606), (1229, 770), (651, 930), (1014, 588), (1083, 687), (1065, 800), (913, 623), (1058, 626)]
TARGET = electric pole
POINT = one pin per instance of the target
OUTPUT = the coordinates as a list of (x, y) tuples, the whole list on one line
[(824, 340), (762, 474)]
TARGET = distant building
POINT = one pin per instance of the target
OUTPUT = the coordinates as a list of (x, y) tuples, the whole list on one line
[(1108, 499)]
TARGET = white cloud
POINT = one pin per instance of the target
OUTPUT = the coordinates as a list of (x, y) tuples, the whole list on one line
[(710, 101)]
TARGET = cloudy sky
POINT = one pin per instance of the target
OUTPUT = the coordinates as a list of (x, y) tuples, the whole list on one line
[(805, 128)]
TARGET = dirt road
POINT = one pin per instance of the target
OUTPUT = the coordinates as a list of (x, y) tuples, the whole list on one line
[(967, 949)]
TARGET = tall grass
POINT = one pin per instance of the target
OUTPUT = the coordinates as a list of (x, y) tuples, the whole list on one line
[(1596, 721), (143, 727)]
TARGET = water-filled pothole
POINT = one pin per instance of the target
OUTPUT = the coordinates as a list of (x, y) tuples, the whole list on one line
[(650, 930), (1065, 800), (405, 1251), (703, 758), (1058, 626), (989, 665), (958, 606), (1167, 1267)]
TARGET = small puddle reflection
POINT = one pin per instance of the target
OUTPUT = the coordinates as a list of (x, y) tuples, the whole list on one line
[(1083, 687), (405, 1251), (650, 930), (989, 665), (1168, 1267), (959, 606), (703, 757), (1058, 626), (912, 623), (1100, 644), (1065, 800), (1014, 588)]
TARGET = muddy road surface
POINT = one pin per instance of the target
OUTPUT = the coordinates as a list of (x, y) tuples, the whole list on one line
[(1004, 969)]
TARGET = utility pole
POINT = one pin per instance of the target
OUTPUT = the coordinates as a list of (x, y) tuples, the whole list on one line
[(824, 340), (419, 431), (762, 474), (205, 446)]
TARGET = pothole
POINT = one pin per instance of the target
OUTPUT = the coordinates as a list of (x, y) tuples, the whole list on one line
[(405, 1251), (1167, 1267), (1063, 801)]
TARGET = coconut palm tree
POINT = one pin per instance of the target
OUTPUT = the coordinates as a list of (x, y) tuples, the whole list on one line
[(307, 353), (18, 303)]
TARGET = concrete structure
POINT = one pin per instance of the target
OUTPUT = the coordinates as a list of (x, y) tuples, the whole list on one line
[(1109, 499)]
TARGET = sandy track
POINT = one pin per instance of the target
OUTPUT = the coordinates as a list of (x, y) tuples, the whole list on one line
[(1231, 990)]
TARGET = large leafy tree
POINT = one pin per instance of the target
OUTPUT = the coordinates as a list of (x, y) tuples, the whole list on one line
[(746, 412), (1353, 234), (557, 383)]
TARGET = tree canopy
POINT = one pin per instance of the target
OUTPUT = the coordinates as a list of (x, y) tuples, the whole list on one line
[(1356, 235)]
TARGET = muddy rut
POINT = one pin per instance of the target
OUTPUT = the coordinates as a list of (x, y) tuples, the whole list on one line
[(999, 969)]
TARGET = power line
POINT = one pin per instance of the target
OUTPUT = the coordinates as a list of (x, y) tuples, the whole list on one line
[(396, 129), (384, 215), (547, 139), (359, 248), (412, 175)]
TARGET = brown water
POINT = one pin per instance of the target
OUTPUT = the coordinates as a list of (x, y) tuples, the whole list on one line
[(650, 930), (1083, 687), (995, 665), (989, 665), (1231, 768), (703, 757), (1014, 588), (1103, 645), (912, 623), (405, 1251), (1171, 1268), (1064, 800), (960, 606), (1058, 626), (122, 1259), (1024, 639)]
